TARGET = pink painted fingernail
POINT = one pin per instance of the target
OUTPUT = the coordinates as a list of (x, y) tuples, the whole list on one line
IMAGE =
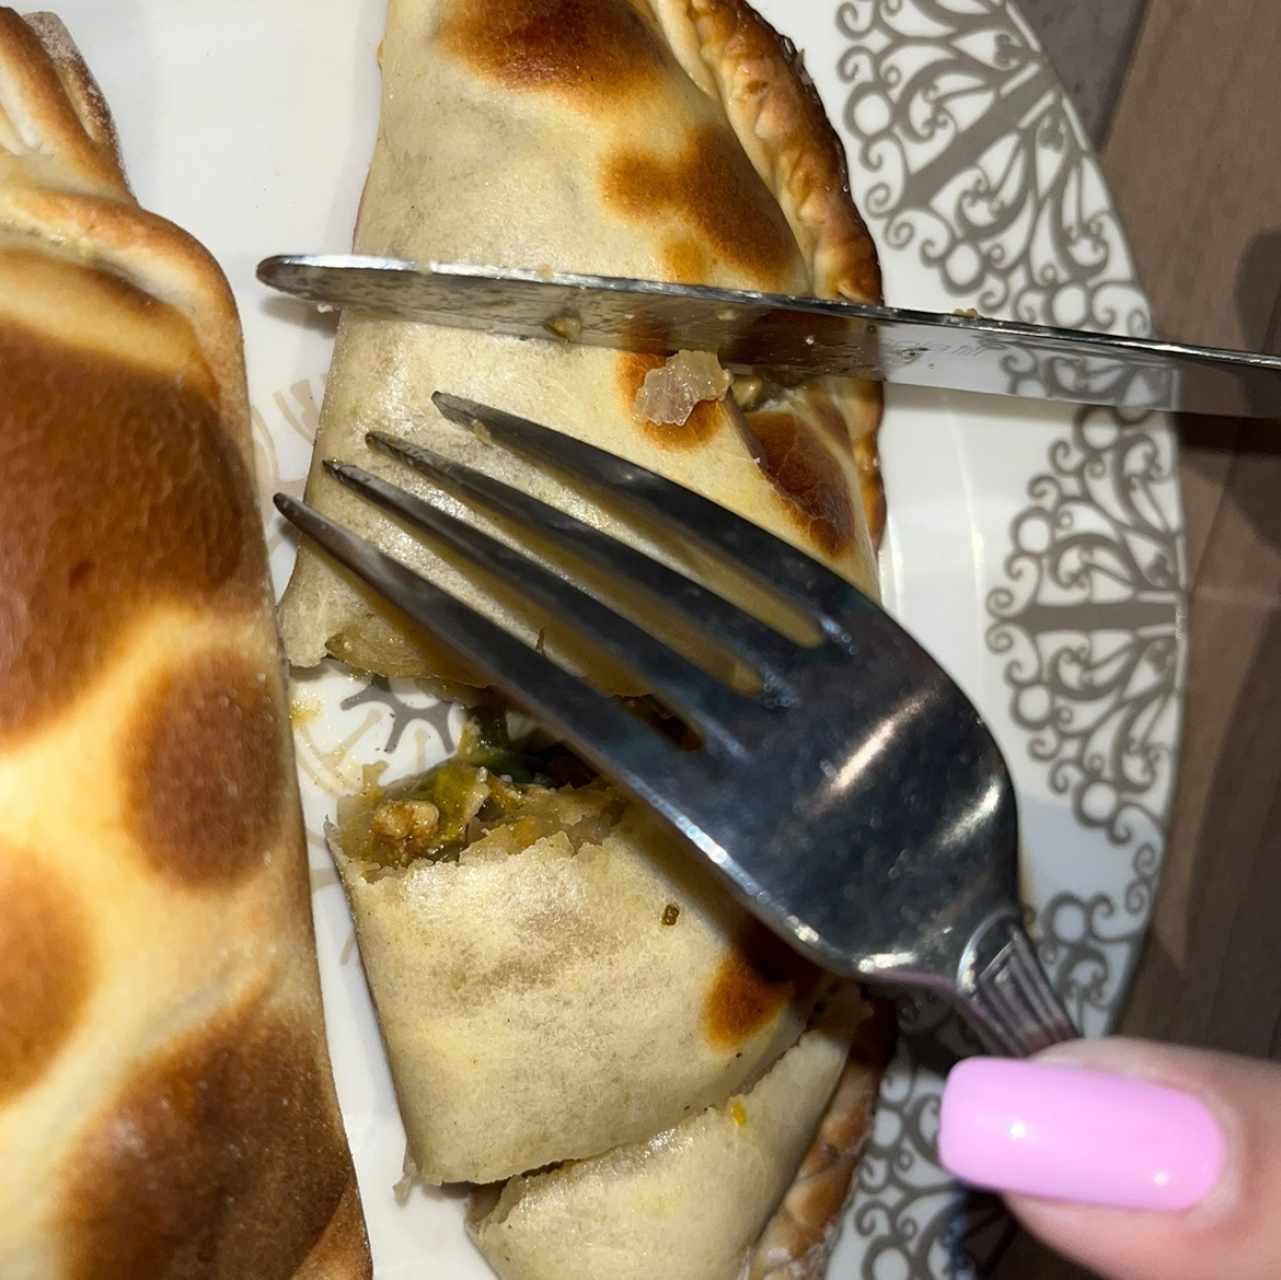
[(1067, 1133)]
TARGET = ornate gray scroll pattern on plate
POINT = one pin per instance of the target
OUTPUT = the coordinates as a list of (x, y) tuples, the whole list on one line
[(1090, 630), (969, 154), (967, 148)]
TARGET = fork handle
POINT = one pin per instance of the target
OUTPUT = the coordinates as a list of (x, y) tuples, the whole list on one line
[(1005, 993)]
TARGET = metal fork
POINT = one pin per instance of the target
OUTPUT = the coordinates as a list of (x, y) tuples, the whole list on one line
[(856, 803)]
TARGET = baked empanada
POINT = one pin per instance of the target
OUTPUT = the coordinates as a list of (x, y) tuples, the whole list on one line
[(677, 140), (519, 968), (166, 1106)]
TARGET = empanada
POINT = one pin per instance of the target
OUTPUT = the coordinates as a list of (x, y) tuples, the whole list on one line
[(670, 139), (166, 1105), (677, 140)]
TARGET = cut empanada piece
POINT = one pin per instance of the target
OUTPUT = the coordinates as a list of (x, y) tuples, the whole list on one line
[(690, 1202), (678, 140), (567, 981)]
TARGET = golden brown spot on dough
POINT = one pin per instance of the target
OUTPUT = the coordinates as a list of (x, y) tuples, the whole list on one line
[(122, 490), (207, 771), (221, 1160), (807, 477), (868, 461), (594, 49), (858, 412), (344, 1248), (713, 190), (831, 421), (684, 261), (99, 312), (44, 968), (757, 979), (698, 428)]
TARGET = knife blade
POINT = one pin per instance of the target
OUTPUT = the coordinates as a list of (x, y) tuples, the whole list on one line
[(793, 336)]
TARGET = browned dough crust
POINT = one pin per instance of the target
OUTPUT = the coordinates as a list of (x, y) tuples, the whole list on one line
[(163, 1063), (797, 1242), (728, 49)]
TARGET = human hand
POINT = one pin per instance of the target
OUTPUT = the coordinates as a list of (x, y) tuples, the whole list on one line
[(1141, 1161)]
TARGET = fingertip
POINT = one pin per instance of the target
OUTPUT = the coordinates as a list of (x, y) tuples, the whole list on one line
[(971, 1124), (1138, 1160), (1085, 1136)]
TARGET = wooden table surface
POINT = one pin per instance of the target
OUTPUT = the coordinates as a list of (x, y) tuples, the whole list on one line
[(1183, 99)]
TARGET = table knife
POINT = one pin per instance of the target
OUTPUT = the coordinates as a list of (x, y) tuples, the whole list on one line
[(795, 337)]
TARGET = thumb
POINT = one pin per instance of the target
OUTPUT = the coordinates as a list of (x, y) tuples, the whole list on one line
[(1141, 1161)]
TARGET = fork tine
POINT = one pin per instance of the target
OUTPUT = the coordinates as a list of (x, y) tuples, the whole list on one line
[(615, 741), (685, 688), (771, 652), (800, 578)]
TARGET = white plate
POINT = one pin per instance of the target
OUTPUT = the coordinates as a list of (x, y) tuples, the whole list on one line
[(1037, 552)]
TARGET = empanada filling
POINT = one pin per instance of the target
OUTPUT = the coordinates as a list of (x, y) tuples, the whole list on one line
[(490, 796)]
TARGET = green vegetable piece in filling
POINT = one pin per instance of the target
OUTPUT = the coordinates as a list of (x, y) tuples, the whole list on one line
[(486, 783)]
